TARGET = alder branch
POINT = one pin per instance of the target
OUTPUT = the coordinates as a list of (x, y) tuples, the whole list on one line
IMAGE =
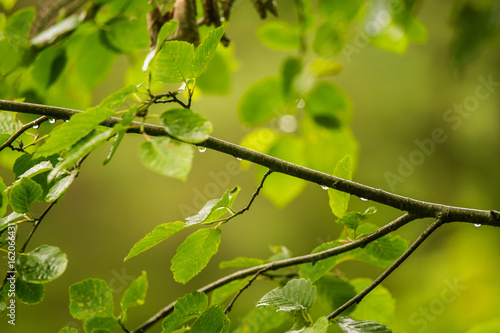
[(21, 130), (275, 265), (356, 299), (417, 208)]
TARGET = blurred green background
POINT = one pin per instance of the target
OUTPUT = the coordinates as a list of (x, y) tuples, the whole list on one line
[(397, 99)]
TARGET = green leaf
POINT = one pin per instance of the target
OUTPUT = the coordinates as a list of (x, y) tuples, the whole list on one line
[(261, 320), (261, 102), (121, 128), (29, 293), (127, 34), (242, 262), (206, 50), (37, 169), (174, 62), (185, 125), (296, 295), (185, 308), (279, 35), (216, 79), (166, 30), (328, 106), (195, 253), (101, 324), (315, 271), (89, 298), (4, 200), (353, 219), (59, 187), (19, 25), (8, 122), (6, 221), (214, 209), (320, 326), (340, 200), (117, 98), (212, 320), (158, 235), (167, 157), (324, 68), (349, 325), (68, 330), (83, 147), (281, 189), (220, 294), (135, 295), (8, 4), (338, 11), (328, 40), (334, 292), (66, 135), (290, 68), (378, 305), (43, 264), (23, 195)]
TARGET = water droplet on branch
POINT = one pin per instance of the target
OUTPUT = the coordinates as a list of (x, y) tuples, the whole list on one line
[(202, 149), (324, 187), (52, 120), (239, 158), (363, 199), (477, 225), (36, 126)]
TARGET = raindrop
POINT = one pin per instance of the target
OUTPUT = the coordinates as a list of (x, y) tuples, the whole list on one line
[(239, 158), (477, 225), (52, 120), (301, 103), (66, 120), (36, 126), (324, 187), (363, 199), (202, 149)]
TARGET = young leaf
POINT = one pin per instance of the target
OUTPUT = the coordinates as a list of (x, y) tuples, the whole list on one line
[(340, 200), (135, 295), (353, 219), (279, 35), (328, 106), (127, 34), (329, 40), (378, 305), (7, 220), (320, 326), (117, 98), (100, 323), (212, 320), (174, 62), (349, 325), (37, 169), (206, 50), (185, 125), (9, 123), (121, 130), (195, 253), (23, 194), (166, 30), (167, 157), (66, 135), (43, 264), (261, 101), (89, 298), (158, 235), (214, 209), (186, 308), (296, 295), (4, 200), (29, 293), (59, 187), (242, 262), (93, 140), (261, 320)]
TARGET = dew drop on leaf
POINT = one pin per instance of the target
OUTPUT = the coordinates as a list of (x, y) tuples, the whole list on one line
[(324, 187), (52, 120)]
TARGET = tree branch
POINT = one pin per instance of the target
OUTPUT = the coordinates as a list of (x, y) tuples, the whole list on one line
[(23, 129), (356, 299), (275, 265), (417, 208)]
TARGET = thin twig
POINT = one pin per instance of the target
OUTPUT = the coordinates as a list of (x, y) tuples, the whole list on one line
[(37, 223), (416, 207), (23, 129), (230, 305), (356, 299), (314, 257)]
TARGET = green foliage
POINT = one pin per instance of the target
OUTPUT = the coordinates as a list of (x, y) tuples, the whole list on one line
[(279, 35), (195, 253), (90, 298), (261, 102), (29, 293), (135, 295), (340, 200), (23, 195), (261, 320), (186, 125), (349, 325), (378, 305), (212, 320), (43, 264), (186, 308), (297, 295), (214, 209)]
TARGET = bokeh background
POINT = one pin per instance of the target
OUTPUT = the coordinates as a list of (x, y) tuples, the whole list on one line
[(397, 99)]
